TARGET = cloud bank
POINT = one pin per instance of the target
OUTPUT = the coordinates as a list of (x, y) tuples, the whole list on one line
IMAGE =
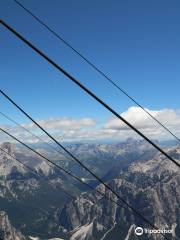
[(87, 129)]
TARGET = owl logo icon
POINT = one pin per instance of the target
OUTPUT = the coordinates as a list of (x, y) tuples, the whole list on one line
[(139, 231)]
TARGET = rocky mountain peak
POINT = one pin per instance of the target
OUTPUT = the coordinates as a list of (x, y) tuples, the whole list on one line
[(8, 147), (7, 231), (8, 164)]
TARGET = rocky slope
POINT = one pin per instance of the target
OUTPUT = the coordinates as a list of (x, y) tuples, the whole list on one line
[(152, 187), (7, 231)]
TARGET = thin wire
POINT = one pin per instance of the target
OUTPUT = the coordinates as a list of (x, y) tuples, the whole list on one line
[(89, 92), (108, 78)]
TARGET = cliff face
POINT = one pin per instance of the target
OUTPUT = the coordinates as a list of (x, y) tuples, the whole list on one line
[(152, 187), (7, 231)]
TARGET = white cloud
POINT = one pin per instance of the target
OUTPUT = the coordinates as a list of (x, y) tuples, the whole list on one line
[(63, 123), (142, 121), (134, 115)]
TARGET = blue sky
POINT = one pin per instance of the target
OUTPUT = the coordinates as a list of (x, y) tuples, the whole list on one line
[(135, 42)]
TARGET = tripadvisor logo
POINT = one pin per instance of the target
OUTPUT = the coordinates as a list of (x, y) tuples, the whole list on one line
[(139, 231)]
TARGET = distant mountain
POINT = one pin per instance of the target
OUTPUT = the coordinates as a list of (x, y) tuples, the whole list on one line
[(106, 160), (101, 158)]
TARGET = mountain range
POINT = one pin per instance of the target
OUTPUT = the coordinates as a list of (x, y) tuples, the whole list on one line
[(37, 206)]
